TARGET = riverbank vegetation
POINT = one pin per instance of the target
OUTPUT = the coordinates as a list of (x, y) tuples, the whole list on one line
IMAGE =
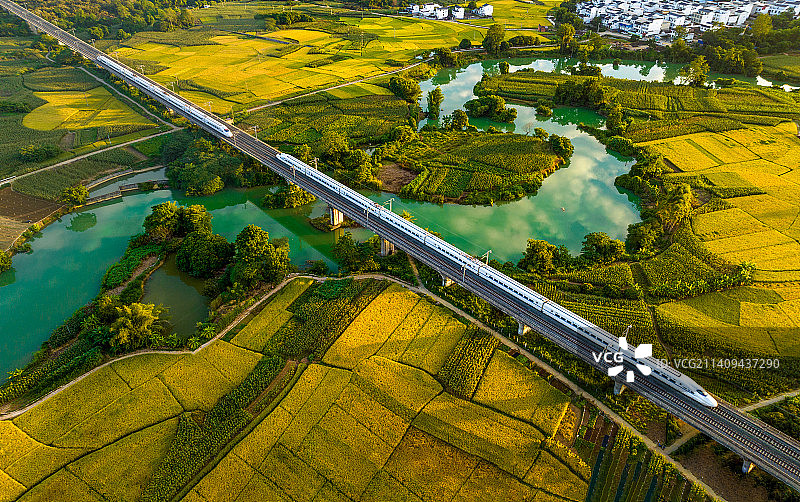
[(367, 418), (475, 167), (115, 322)]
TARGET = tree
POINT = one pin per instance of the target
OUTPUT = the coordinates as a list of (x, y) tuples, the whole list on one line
[(615, 121), (681, 32), (472, 5), (194, 218), (538, 257), (122, 35), (257, 258), (201, 253), (598, 247), (504, 67), (491, 106), (460, 120), (465, 44), (334, 146), (642, 236), (38, 153), (561, 146), (565, 33), (445, 57), (346, 252), (761, 26), (696, 72), (5, 261), (251, 244), (75, 196), (494, 37), (135, 325), (405, 88), (303, 152), (634, 38), (435, 99)]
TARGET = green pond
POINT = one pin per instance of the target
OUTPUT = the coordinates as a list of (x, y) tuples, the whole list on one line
[(70, 256)]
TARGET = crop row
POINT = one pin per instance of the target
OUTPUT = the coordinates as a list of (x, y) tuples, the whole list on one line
[(464, 366)]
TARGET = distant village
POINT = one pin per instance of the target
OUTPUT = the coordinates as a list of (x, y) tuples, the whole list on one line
[(436, 11), (659, 19)]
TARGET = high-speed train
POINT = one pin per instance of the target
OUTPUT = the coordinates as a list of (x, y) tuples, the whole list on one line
[(175, 103), (594, 335)]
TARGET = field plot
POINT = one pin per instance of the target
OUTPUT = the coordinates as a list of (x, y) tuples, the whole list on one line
[(514, 14), (783, 66), (107, 433), (81, 110), (509, 387), (319, 54)]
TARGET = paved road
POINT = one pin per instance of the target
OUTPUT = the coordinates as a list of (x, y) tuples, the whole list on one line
[(768, 448)]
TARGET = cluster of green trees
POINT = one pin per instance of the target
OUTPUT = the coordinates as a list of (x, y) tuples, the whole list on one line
[(405, 88), (239, 266), (587, 93), (350, 164), (544, 258), (5, 261), (435, 100), (75, 195), (202, 167), (491, 106), (129, 15), (12, 26), (286, 18), (38, 153), (287, 197)]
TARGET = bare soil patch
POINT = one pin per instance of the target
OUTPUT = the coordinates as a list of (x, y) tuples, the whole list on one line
[(732, 486), (21, 207), (10, 230), (67, 141), (395, 177)]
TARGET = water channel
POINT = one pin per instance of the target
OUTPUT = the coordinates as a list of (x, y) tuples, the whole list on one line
[(70, 256)]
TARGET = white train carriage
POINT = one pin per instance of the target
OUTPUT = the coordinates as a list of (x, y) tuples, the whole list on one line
[(666, 375), (175, 103)]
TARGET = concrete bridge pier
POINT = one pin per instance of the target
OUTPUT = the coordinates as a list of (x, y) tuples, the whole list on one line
[(522, 329), (337, 217), (387, 247), (618, 388), (747, 466)]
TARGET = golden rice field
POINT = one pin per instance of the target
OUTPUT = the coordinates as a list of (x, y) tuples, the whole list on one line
[(232, 69), (107, 433), (765, 321), (372, 428), (757, 171), (73, 110)]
